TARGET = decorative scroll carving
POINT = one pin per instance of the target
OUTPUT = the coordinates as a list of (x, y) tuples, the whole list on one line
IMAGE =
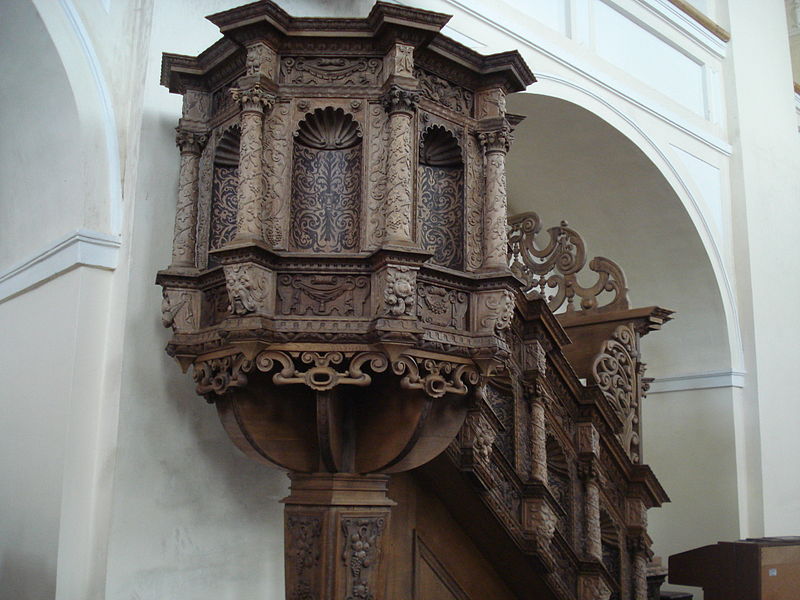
[(303, 549), (361, 538), (435, 377), (248, 288), (557, 266), (398, 295), (445, 93), (498, 311), (322, 375), (442, 306), (277, 149), (331, 70), (323, 295), (326, 198), (217, 375), (616, 371)]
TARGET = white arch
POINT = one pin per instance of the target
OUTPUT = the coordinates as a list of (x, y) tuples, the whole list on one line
[(574, 92), (93, 100)]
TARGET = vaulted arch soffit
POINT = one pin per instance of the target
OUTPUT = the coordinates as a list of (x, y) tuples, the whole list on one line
[(578, 157)]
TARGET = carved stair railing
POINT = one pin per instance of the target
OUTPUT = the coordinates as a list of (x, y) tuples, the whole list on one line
[(552, 446)]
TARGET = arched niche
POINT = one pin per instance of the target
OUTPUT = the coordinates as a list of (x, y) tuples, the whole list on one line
[(224, 200), (440, 178), (326, 183)]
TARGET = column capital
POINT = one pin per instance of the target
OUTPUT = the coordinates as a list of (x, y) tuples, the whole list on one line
[(189, 140), (400, 100), (588, 471), (254, 98), (496, 140)]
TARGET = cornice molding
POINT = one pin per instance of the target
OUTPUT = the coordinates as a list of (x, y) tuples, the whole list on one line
[(698, 381), (81, 248)]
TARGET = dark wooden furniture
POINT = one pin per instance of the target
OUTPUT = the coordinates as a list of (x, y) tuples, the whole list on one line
[(752, 569), (350, 293)]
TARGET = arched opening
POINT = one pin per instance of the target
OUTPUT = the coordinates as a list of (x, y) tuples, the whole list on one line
[(569, 164)]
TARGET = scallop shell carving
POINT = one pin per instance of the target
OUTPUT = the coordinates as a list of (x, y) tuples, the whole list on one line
[(439, 148), (328, 129), (227, 152)]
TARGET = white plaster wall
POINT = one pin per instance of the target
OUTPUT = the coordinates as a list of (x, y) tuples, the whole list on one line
[(41, 166), (52, 343), (765, 189)]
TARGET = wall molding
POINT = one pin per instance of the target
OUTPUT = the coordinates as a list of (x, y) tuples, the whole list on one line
[(81, 248), (607, 82), (698, 381)]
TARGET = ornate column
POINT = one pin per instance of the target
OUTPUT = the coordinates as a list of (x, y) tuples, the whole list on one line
[(249, 218), (589, 475), (638, 549), (400, 103), (495, 144), (334, 524), (538, 436), (185, 237)]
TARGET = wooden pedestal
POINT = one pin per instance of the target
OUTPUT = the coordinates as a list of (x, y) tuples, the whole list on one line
[(333, 528)]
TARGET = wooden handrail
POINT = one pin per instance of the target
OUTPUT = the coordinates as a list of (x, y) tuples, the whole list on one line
[(695, 14)]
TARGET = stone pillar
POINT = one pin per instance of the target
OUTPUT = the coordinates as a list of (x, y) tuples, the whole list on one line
[(400, 103), (185, 237), (495, 143), (594, 541), (333, 528)]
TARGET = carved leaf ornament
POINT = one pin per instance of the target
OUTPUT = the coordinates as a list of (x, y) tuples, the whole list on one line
[(615, 371), (557, 264)]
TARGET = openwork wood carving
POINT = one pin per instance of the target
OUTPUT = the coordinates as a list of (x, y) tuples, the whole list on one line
[(551, 271)]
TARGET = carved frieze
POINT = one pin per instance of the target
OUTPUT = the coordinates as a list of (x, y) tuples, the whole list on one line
[(441, 306), (323, 295), (331, 70), (448, 94)]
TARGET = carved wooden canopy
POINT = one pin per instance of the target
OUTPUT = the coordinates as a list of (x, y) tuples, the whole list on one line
[(345, 289)]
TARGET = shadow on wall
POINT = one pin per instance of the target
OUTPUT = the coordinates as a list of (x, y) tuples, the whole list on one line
[(26, 576)]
